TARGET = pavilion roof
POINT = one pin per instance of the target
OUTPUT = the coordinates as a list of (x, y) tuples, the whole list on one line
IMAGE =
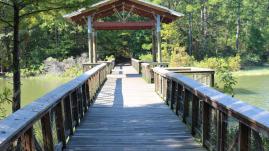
[(109, 7)]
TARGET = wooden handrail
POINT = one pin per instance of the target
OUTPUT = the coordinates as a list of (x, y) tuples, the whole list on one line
[(181, 92), (69, 102)]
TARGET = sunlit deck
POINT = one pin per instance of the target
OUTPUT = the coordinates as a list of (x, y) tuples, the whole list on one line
[(129, 115)]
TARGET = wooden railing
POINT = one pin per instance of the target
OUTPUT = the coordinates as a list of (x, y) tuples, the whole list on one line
[(137, 64), (219, 121), (202, 75), (59, 112), (147, 70)]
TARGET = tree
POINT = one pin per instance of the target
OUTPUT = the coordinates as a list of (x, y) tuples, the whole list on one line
[(20, 11)]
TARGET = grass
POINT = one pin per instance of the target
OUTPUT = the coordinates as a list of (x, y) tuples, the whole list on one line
[(252, 71)]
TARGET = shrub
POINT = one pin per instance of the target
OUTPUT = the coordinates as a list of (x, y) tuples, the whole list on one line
[(5, 97), (180, 58), (226, 78), (223, 68), (234, 63)]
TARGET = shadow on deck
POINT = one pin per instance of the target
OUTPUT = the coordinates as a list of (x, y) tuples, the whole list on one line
[(129, 115)]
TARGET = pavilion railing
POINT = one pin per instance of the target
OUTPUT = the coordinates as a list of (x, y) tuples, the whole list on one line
[(219, 121), (47, 123)]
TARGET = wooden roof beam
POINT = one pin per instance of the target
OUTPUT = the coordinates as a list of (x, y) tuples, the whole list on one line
[(123, 26)]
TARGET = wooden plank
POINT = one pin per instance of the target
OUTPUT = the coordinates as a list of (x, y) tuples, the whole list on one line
[(128, 114)]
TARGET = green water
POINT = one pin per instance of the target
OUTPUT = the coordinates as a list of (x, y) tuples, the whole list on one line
[(253, 90), (33, 88)]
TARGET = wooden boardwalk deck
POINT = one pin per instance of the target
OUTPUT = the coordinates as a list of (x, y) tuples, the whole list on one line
[(129, 115)]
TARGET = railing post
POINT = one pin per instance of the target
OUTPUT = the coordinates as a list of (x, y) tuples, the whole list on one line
[(173, 93), (205, 123), (177, 98), (185, 104), (47, 132), (244, 135), (212, 80), (221, 130), (75, 106), (80, 99), (69, 113), (27, 140), (60, 123), (195, 113), (169, 91), (84, 98)]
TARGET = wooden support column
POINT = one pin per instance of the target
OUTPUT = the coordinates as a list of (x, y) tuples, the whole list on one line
[(154, 46), (158, 35), (90, 40), (94, 46)]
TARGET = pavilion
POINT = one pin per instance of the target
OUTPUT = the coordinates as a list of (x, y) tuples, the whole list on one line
[(93, 15)]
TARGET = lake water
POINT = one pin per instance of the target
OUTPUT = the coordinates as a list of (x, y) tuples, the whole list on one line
[(251, 89), (33, 88)]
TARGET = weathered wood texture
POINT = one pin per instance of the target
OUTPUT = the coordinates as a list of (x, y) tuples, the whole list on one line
[(65, 101), (214, 114), (129, 115)]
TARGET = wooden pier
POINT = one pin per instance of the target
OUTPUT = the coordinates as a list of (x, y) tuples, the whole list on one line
[(129, 115)]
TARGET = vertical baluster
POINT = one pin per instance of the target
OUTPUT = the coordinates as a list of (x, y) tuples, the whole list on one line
[(69, 113), (27, 140), (195, 113), (244, 135), (185, 104), (80, 101), (172, 100), (205, 123), (221, 130), (85, 96), (60, 123), (47, 132), (177, 98), (169, 91), (75, 103)]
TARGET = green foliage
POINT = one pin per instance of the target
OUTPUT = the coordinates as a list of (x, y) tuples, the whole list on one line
[(180, 58), (226, 78), (73, 72), (5, 97), (255, 53), (232, 63), (223, 68), (110, 58), (146, 58)]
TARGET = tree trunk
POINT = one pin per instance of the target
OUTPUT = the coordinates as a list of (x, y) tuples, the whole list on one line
[(204, 17), (190, 33), (16, 104), (238, 24)]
